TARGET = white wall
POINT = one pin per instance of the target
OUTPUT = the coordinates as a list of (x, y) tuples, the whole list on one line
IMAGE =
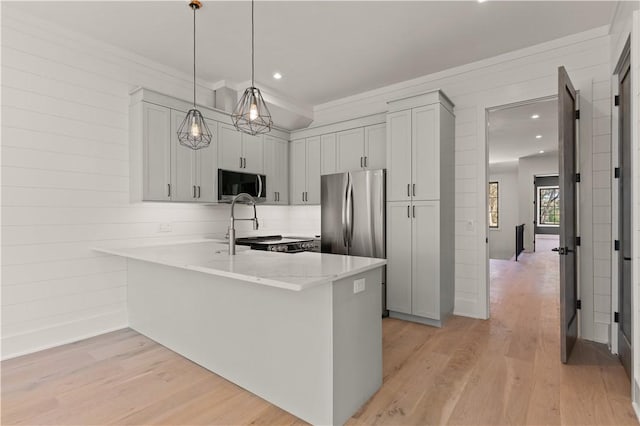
[(517, 76), (502, 240), (65, 172), (528, 167)]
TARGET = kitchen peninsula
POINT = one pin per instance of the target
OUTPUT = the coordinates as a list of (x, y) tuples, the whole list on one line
[(302, 331)]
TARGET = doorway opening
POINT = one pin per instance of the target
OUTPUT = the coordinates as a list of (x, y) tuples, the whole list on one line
[(522, 141)]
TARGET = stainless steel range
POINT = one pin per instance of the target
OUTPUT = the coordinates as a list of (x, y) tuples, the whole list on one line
[(281, 244)]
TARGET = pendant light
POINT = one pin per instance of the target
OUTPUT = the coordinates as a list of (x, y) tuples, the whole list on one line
[(251, 114), (194, 132)]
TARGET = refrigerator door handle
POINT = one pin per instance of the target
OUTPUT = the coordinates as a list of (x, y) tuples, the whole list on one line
[(350, 211), (259, 186), (345, 195)]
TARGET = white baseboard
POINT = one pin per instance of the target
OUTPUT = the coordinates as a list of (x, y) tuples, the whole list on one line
[(60, 334)]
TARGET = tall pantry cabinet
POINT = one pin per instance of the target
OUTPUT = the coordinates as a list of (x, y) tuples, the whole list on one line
[(420, 208)]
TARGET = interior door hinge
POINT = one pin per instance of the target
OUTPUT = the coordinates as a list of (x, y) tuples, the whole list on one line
[(577, 114), (578, 304), (616, 317), (578, 241), (616, 100), (577, 177), (616, 173), (616, 245)]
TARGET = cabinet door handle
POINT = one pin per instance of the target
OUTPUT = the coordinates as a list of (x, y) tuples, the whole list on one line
[(245, 162), (366, 161), (361, 162), (194, 191), (408, 211), (168, 190), (198, 191), (408, 190), (240, 162), (414, 189), (414, 211)]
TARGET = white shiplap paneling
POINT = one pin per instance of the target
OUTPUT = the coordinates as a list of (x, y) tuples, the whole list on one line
[(65, 184)]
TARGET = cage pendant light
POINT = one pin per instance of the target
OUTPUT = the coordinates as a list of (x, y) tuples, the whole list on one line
[(194, 132), (251, 114)]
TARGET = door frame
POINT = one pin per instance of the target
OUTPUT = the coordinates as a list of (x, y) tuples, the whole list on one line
[(615, 198), (483, 120)]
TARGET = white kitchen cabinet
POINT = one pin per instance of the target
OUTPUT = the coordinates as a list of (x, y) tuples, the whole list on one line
[(156, 151), (375, 139), (350, 150), (399, 156), (421, 208), (328, 154), (418, 149), (276, 169), (305, 171), (238, 151), (363, 148), (399, 257), (193, 173)]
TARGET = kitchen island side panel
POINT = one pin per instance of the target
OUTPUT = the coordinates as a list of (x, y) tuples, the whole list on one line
[(275, 343), (357, 343)]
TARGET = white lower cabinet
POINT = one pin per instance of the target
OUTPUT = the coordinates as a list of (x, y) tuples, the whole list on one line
[(416, 255), (276, 169)]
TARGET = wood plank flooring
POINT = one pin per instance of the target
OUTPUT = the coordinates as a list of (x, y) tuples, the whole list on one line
[(472, 372)]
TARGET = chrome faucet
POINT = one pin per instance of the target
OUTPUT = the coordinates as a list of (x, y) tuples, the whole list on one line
[(232, 229)]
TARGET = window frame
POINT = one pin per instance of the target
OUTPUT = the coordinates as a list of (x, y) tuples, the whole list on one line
[(539, 206), (497, 197)]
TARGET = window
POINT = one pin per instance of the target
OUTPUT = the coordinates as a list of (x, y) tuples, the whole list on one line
[(493, 205), (548, 206)]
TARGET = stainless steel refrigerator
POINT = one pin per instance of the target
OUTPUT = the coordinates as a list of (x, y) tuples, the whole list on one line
[(353, 215)]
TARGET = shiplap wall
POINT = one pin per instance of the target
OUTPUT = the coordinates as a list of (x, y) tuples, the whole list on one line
[(65, 183), (513, 77)]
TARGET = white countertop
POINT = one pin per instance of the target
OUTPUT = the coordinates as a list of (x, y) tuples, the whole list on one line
[(297, 271)]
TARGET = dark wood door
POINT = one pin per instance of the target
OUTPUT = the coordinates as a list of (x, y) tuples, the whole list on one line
[(624, 220), (567, 102)]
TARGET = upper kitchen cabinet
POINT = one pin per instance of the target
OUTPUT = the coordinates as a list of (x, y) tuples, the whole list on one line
[(161, 168), (420, 151), (151, 124), (363, 148), (328, 154), (193, 173), (238, 151), (305, 171), (276, 169)]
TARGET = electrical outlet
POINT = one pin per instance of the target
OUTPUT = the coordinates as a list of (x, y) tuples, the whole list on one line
[(164, 227), (358, 286)]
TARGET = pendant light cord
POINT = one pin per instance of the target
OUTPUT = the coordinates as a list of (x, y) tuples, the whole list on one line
[(252, 46), (194, 7)]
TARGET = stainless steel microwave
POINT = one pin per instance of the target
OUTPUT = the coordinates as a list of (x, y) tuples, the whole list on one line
[(231, 184)]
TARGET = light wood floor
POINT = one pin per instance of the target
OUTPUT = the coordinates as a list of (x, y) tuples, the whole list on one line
[(502, 371)]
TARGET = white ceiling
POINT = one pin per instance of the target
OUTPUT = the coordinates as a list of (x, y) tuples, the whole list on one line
[(325, 50), (512, 132)]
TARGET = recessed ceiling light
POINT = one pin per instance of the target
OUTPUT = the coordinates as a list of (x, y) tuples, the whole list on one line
[(538, 136), (277, 76), (534, 116), (541, 152), (481, 1)]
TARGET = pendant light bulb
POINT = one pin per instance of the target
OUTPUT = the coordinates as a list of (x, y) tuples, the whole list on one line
[(195, 128), (253, 111), (251, 114), (194, 132)]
